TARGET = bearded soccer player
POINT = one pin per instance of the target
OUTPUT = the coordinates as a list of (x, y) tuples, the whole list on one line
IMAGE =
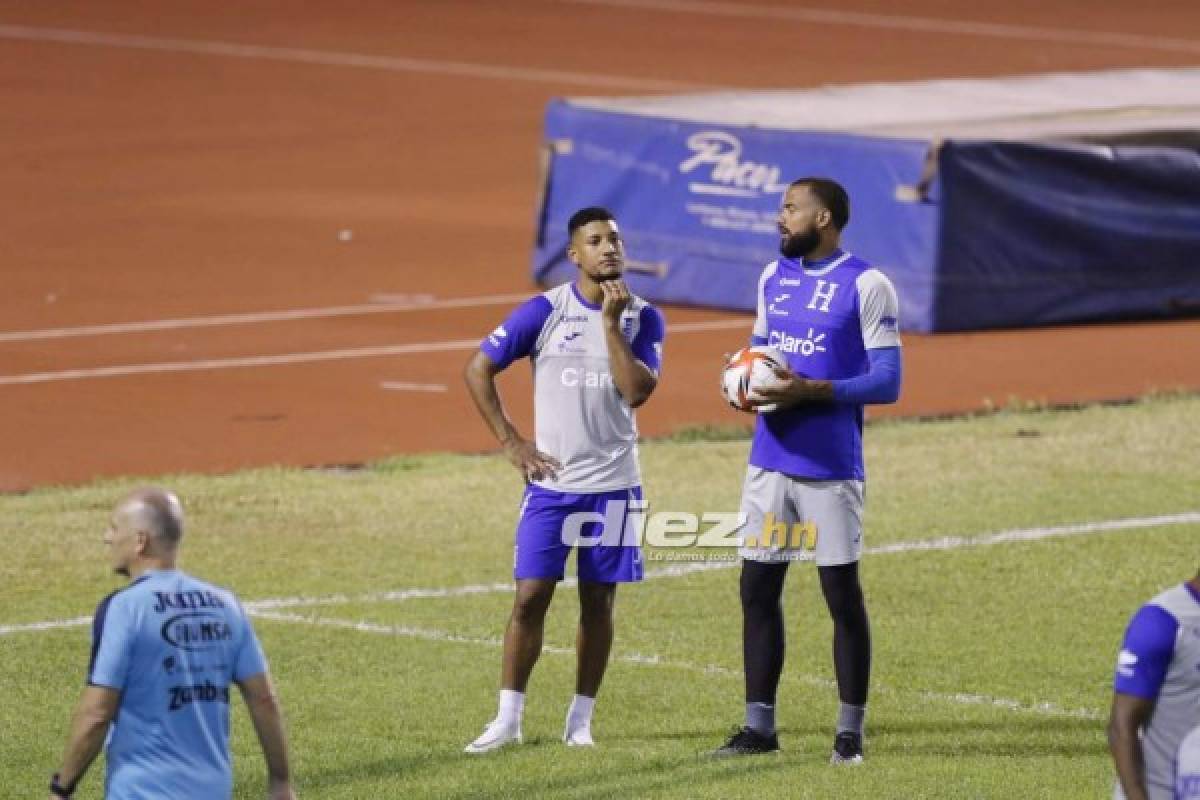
[(596, 352), (835, 318)]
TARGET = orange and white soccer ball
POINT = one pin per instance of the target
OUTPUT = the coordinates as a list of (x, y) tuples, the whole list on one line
[(747, 370)]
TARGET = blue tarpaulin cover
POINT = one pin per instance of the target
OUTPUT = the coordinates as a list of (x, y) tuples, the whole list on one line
[(1005, 203)]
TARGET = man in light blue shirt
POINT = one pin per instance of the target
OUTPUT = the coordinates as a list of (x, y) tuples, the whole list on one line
[(165, 650)]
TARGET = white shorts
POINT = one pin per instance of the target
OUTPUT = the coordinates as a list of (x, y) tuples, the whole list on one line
[(793, 519)]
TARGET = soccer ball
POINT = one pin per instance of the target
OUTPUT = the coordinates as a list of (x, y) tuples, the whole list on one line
[(749, 369)]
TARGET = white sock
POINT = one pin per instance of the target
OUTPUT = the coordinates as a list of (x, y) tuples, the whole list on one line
[(579, 715), (512, 706)]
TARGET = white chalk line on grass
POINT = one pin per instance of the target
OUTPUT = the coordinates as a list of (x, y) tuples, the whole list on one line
[(652, 660), (295, 55), (690, 568), (678, 570), (54, 624), (268, 608), (302, 358), (904, 22), (257, 317)]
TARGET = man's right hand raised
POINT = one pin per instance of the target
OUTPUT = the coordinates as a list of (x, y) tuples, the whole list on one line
[(533, 464)]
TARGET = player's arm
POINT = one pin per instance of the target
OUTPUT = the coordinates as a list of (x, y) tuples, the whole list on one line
[(480, 376), (1129, 715), (633, 378), (1142, 664), (515, 338), (107, 673), (880, 384), (263, 706), (878, 314), (89, 725)]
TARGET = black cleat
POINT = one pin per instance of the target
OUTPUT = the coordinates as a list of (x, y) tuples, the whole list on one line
[(747, 742), (847, 749)]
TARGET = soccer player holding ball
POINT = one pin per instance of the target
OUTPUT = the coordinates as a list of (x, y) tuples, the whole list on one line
[(596, 351), (834, 317)]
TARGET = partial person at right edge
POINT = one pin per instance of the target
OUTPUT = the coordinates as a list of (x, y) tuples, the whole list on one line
[(1156, 696)]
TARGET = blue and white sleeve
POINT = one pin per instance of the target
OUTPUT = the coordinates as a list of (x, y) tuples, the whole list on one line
[(1146, 653), (647, 345), (759, 335), (878, 310), (516, 336), (112, 644)]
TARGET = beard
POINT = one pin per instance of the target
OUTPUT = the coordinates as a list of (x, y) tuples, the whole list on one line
[(798, 245)]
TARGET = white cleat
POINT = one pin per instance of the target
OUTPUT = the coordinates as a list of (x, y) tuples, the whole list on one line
[(580, 737), (497, 734)]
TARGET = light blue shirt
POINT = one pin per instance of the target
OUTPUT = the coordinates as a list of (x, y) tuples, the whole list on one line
[(172, 645)]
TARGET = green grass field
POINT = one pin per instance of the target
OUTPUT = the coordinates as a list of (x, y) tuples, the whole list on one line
[(992, 661)]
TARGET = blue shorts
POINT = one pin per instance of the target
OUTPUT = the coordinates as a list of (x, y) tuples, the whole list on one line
[(541, 550)]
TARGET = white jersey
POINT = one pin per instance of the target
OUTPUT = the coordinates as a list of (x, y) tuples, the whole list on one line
[(580, 417), (1160, 661)]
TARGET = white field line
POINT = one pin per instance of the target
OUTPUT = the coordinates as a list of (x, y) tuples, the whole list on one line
[(302, 358), (402, 386), (255, 317), (679, 570), (652, 660), (265, 609), (234, 363), (294, 55), (30, 627), (904, 22)]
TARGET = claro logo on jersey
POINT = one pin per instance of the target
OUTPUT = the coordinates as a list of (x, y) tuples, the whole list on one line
[(718, 156), (196, 631), (812, 343), (575, 377)]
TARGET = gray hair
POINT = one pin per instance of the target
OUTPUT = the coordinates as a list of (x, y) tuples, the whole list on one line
[(156, 511)]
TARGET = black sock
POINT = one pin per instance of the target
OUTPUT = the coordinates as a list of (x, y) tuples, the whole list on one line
[(851, 631), (762, 628)]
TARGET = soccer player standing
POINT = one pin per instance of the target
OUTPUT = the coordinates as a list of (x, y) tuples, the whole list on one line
[(1156, 693), (165, 650), (596, 352), (835, 318)]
